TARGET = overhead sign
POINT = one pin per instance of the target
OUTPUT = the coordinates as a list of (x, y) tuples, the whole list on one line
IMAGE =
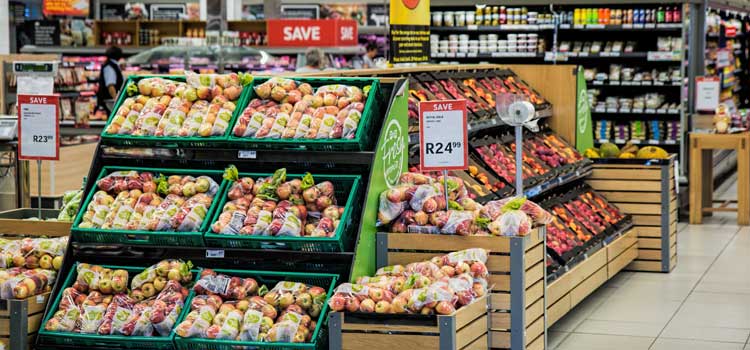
[(300, 11), (311, 32), (707, 90), (409, 35), (443, 135), (78, 8), (38, 127)]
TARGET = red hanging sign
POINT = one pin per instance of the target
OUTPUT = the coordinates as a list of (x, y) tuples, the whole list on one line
[(311, 32)]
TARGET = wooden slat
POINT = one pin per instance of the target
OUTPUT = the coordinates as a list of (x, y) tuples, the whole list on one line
[(376, 341), (534, 311), (557, 310), (587, 287), (649, 231), (648, 220), (643, 265), (35, 304), (534, 292), (631, 197), (381, 327), (499, 283), (649, 243), (625, 185), (467, 314), (534, 274), (558, 288), (498, 339), (534, 256), (448, 243), (499, 301), (471, 332), (649, 254), (619, 245), (500, 320), (625, 174), (621, 261), (33, 324), (640, 208), (404, 258), (536, 344), (534, 329), (478, 344)]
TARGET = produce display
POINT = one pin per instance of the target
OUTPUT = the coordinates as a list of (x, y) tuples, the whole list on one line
[(273, 206), (439, 286), (132, 200), (236, 308), (287, 109), (418, 204), (628, 151), (100, 302), (29, 266), (200, 107), (70, 205)]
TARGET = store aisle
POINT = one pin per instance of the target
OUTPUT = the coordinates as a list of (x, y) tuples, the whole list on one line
[(703, 304)]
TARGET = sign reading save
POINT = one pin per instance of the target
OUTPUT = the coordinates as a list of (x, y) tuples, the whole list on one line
[(443, 135), (38, 127), (311, 32)]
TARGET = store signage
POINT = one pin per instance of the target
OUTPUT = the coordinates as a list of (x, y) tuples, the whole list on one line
[(300, 11), (78, 8), (377, 15), (707, 91), (443, 135), (409, 34), (167, 11), (43, 32), (584, 127), (723, 58), (730, 32), (311, 32), (38, 127)]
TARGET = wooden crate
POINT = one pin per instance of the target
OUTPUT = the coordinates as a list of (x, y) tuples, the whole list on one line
[(516, 266), (574, 286), (466, 329), (12, 223), (20, 320), (645, 190)]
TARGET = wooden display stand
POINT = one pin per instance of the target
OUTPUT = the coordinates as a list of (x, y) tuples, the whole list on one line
[(20, 320), (516, 309), (645, 189), (584, 278), (701, 174), (12, 223)]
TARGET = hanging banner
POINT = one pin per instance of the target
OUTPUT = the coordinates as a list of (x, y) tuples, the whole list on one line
[(311, 32), (443, 135), (584, 129), (78, 8), (409, 35), (38, 127)]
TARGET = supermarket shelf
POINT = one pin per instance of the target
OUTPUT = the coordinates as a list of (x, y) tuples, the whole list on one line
[(620, 27), (633, 83), (651, 56), (489, 55), (489, 29), (639, 142), (646, 111), (93, 123), (99, 50), (371, 30), (75, 93), (558, 181)]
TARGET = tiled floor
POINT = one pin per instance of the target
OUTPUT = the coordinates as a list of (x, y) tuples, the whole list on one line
[(703, 304)]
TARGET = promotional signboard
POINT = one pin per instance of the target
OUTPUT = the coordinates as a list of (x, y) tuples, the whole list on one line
[(311, 32), (38, 127), (707, 90), (78, 8), (443, 135), (409, 35)]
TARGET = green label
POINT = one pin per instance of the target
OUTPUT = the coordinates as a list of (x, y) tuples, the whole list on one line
[(584, 132), (391, 159)]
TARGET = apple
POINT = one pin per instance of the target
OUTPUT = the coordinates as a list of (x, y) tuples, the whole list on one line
[(20, 291), (243, 305), (376, 294), (174, 275), (269, 311), (272, 298), (367, 305), (382, 307), (45, 262), (106, 274), (105, 286), (121, 274), (226, 308), (285, 300), (159, 283), (352, 304), (32, 262), (119, 285), (148, 290)]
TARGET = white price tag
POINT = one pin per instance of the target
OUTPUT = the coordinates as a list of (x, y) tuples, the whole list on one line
[(215, 253), (443, 143), (247, 154), (38, 127)]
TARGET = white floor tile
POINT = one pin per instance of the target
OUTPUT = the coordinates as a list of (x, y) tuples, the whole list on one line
[(636, 309), (577, 341), (555, 338), (684, 344), (715, 310), (641, 329), (707, 333)]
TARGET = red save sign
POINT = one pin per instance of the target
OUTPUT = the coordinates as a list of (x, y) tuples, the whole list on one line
[(311, 32), (38, 127)]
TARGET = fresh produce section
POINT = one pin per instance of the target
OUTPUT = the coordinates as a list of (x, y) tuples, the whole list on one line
[(29, 266)]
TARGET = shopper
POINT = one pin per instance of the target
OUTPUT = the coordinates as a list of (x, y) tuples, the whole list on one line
[(314, 61), (368, 59), (110, 79)]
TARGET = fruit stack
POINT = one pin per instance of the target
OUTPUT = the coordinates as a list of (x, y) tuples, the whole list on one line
[(132, 200), (203, 106), (235, 308), (439, 286), (29, 266), (501, 159), (273, 206), (580, 234), (286, 109), (99, 302), (417, 204)]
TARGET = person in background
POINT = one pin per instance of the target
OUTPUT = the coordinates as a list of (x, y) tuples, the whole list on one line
[(368, 59), (110, 79), (314, 61)]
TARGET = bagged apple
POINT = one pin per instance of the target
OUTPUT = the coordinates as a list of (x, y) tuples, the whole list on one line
[(117, 313), (92, 317), (63, 320)]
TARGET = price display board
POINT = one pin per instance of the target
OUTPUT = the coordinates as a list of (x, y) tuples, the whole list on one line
[(443, 135), (38, 127)]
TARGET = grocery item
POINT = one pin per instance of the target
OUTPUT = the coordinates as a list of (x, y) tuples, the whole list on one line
[(71, 204)]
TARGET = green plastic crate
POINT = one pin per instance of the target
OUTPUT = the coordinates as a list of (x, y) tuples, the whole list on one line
[(361, 140), (323, 280), (169, 141), (347, 190), (111, 341), (137, 237)]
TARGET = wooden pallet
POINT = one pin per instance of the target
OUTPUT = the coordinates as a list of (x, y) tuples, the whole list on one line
[(584, 278), (647, 193), (466, 329), (516, 268), (20, 320)]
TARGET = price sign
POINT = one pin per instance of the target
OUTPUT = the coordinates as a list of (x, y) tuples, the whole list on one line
[(707, 90), (38, 127), (443, 135)]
